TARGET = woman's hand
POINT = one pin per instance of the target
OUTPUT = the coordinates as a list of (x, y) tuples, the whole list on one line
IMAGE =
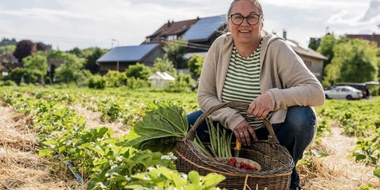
[(243, 133), (260, 107)]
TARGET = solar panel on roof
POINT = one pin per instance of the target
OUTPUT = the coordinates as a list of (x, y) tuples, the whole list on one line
[(127, 53), (204, 28)]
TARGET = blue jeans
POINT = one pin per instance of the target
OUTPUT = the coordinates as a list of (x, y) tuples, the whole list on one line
[(295, 133)]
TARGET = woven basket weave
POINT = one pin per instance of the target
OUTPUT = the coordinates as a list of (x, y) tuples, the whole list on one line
[(274, 159)]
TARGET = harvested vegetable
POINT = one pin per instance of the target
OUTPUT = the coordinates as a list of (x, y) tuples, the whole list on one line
[(162, 124), (241, 165), (220, 142)]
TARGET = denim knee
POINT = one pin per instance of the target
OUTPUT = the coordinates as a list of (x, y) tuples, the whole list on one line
[(300, 120)]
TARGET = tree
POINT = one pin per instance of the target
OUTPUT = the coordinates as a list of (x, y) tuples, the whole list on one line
[(56, 55), (176, 50), (82, 77), (67, 71), (24, 48), (41, 46), (78, 52), (354, 61), (138, 71), (8, 49), (196, 64), (7, 42), (91, 60), (19, 75), (37, 64), (164, 65), (313, 44)]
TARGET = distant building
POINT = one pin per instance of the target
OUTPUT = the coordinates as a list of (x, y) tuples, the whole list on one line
[(170, 31), (203, 33), (199, 32), (160, 79), (312, 59), (369, 37), (129, 55), (8, 62)]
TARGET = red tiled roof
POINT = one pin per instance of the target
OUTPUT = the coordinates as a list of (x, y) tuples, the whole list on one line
[(369, 37), (174, 28)]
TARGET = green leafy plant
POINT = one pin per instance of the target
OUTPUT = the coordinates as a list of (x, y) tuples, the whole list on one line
[(162, 121), (163, 178)]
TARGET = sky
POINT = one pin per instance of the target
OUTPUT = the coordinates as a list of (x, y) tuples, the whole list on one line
[(66, 24)]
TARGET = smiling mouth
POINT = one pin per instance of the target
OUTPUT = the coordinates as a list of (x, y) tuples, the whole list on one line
[(245, 31)]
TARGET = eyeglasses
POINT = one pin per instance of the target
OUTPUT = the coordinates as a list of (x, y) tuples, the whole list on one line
[(252, 19)]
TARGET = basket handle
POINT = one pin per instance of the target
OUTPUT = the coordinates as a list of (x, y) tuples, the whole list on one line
[(192, 132)]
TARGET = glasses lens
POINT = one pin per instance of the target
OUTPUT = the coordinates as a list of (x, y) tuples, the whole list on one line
[(253, 19), (237, 19)]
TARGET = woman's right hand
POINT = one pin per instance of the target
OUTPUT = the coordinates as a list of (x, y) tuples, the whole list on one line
[(243, 133)]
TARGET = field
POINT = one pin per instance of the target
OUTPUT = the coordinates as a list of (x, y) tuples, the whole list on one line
[(37, 124)]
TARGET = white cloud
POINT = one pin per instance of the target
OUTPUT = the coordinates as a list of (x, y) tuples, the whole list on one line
[(87, 23)]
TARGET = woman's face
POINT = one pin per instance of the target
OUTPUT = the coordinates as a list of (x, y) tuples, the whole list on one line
[(245, 33)]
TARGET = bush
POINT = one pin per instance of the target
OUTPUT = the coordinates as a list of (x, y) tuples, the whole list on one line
[(19, 75), (97, 82), (82, 77), (115, 79), (182, 83), (196, 64), (7, 83), (138, 71), (133, 83)]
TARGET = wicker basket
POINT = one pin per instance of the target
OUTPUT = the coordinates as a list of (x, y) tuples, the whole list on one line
[(274, 159)]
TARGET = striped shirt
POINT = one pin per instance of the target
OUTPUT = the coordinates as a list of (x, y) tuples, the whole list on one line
[(242, 82)]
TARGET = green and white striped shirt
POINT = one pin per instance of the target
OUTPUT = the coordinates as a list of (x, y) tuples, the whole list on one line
[(242, 82)]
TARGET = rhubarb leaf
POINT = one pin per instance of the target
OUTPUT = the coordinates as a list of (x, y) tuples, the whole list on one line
[(163, 120)]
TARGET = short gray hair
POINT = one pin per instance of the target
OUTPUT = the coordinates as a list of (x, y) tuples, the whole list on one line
[(256, 2)]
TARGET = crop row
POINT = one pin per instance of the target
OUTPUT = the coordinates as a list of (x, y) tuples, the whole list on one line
[(113, 104), (99, 160)]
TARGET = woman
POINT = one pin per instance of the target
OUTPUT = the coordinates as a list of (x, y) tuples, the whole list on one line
[(251, 66)]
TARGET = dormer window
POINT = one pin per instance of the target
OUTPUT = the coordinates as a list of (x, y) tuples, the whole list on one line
[(147, 39), (172, 37)]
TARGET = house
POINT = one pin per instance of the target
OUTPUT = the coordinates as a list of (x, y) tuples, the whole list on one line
[(203, 33), (369, 37), (119, 58), (199, 40), (170, 31), (160, 79), (7, 63), (312, 59)]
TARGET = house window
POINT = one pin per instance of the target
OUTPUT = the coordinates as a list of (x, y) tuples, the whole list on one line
[(172, 37), (308, 63), (147, 40)]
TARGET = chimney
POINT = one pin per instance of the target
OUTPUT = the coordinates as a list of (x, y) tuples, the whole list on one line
[(284, 34), (168, 24)]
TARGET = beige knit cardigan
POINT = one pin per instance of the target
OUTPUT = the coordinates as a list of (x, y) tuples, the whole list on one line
[(283, 75)]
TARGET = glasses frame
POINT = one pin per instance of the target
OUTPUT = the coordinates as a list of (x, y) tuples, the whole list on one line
[(246, 18)]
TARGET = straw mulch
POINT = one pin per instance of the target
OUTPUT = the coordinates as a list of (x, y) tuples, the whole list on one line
[(336, 171), (20, 165)]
